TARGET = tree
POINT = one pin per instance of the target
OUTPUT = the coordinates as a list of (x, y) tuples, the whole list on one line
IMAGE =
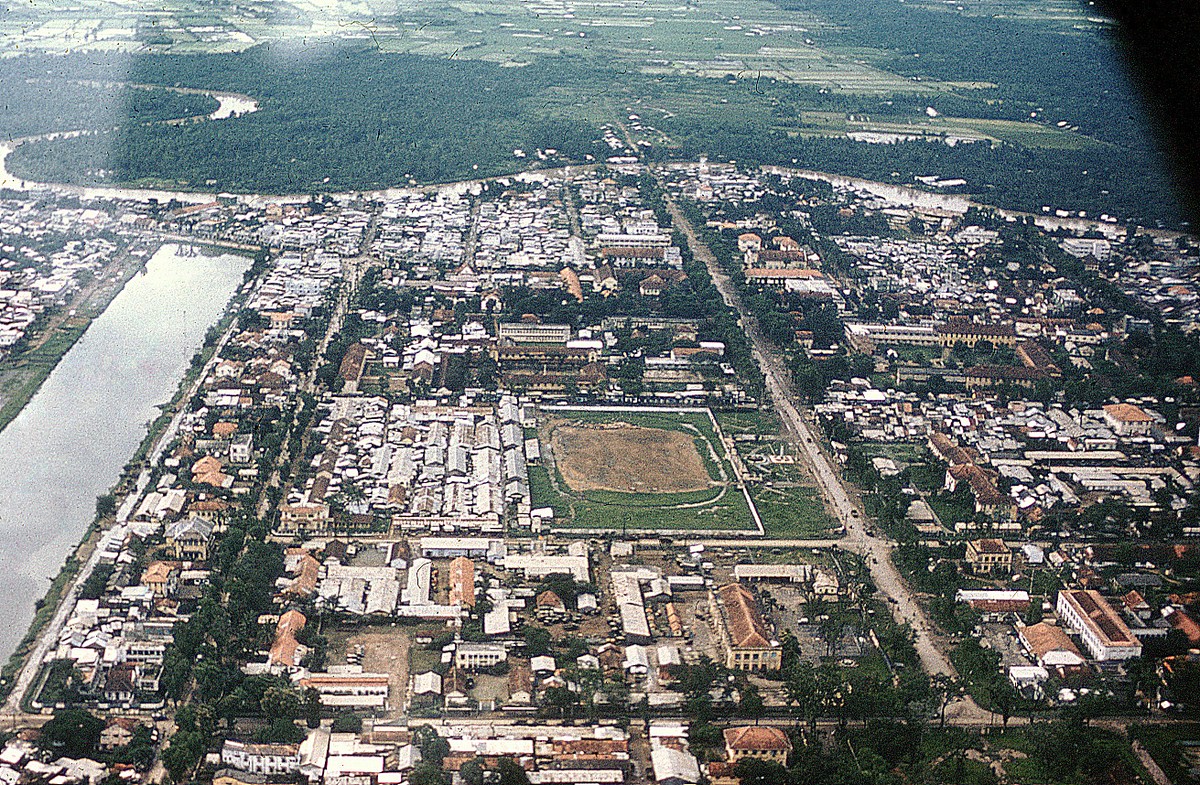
[(312, 708), (753, 771), (511, 773), (426, 773), (183, 753), (537, 641), (106, 505), (750, 704), (72, 733), (472, 772), (432, 746)]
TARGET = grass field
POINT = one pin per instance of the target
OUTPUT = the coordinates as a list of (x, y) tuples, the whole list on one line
[(582, 471)]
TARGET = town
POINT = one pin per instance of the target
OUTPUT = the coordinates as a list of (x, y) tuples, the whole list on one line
[(612, 474)]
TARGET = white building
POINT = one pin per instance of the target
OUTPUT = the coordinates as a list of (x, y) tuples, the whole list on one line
[(1104, 634)]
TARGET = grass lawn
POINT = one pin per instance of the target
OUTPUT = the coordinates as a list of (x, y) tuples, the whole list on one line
[(792, 512)]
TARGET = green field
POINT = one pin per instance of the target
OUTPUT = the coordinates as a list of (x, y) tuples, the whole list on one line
[(720, 508)]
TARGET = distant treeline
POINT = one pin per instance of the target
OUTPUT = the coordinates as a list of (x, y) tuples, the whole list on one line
[(44, 94), (346, 117), (336, 119)]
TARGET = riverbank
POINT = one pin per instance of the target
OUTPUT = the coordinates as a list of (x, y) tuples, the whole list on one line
[(22, 375), (71, 445)]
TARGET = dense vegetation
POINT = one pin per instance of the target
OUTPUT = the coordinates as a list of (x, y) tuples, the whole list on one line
[(44, 94), (339, 119), (348, 117)]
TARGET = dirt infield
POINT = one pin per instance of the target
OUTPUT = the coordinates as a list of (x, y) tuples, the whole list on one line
[(627, 459)]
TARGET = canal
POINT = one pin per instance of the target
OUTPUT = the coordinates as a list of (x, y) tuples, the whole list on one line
[(71, 441)]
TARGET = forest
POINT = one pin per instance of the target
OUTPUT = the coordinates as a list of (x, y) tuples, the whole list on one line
[(338, 119), (41, 95), (349, 117)]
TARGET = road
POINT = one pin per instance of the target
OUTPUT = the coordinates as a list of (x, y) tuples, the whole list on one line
[(875, 549)]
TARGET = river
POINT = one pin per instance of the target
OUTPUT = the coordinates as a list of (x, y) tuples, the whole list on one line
[(71, 441)]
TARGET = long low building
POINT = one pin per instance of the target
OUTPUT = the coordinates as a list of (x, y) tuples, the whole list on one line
[(780, 573), (1104, 634), (349, 690)]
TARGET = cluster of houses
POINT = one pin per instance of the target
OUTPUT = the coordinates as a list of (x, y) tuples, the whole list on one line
[(41, 269), (1025, 458), (418, 468)]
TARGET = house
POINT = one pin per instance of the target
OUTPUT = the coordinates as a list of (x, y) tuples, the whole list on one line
[(988, 555), (1050, 646), (474, 656), (520, 686), (462, 582), (968, 333), (162, 577), (1125, 419), (286, 650), (455, 690), (118, 732), (757, 741), (674, 767), (188, 538), (302, 518), (119, 683), (241, 449), (427, 683), (651, 286), (268, 759), (349, 690), (747, 643), (549, 603)]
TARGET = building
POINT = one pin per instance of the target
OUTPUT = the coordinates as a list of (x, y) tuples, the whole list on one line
[(118, 732), (188, 539), (968, 333), (674, 767), (994, 602), (1050, 646), (269, 759), (462, 582), (772, 573), (757, 741), (1104, 634), (989, 555), (349, 690), (303, 518), (162, 577), (521, 332), (1125, 419), (747, 643), (473, 656)]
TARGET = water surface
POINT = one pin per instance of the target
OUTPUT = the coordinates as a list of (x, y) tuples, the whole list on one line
[(71, 441)]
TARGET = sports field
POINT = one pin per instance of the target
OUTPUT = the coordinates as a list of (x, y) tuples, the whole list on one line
[(623, 470), (628, 459)]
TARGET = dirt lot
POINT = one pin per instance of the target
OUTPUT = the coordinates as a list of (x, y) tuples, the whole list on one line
[(384, 651), (627, 459)]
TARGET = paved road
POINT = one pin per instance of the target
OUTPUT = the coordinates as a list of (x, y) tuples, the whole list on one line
[(876, 550)]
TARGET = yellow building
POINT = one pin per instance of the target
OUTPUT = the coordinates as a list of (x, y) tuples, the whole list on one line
[(757, 741), (745, 639)]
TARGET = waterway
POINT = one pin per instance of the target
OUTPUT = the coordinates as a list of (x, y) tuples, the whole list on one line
[(71, 441)]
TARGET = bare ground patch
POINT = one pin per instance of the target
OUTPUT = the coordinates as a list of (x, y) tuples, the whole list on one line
[(384, 651), (628, 459)]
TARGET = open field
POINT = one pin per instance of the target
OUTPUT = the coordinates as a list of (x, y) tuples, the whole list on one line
[(385, 650), (628, 459), (1028, 134), (675, 462)]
